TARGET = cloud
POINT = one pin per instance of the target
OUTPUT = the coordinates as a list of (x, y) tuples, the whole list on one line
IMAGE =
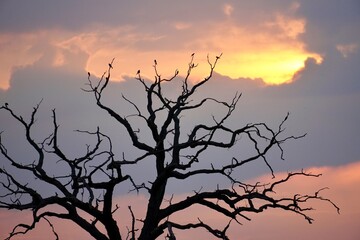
[(271, 52), (317, 101), (247, 53), (337, 24), (257, 44), (347, 49), (228, 9), (16, 51), (182, 25)]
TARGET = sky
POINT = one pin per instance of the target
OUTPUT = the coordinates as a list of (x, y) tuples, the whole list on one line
[(284, 56)]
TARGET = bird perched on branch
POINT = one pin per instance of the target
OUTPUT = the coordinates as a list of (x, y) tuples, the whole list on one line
[(138, 72)]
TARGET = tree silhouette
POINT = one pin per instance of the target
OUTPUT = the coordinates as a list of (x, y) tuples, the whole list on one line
[(85, 192)]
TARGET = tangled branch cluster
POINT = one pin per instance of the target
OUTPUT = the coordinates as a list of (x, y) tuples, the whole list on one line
[(81, 190)]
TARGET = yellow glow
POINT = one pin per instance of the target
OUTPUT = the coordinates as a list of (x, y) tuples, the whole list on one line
[(273, 68), (271, 52)]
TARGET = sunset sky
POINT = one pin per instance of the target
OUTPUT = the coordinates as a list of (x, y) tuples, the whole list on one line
[(301, 57)]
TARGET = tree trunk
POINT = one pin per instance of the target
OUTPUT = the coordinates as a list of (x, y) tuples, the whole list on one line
[(157, 193), (152, 218), (112, 230)]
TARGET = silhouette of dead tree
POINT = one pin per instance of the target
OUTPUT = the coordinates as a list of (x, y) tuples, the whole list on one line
[(81, 194)]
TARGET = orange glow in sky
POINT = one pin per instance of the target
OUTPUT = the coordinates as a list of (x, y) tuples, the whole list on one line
[(270, 50), (327, 225)]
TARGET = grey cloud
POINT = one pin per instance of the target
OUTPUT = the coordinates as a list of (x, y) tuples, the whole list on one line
[(150, 16), (330, 23), (39, 14), (330, 119), (74, 15), (335, 76)]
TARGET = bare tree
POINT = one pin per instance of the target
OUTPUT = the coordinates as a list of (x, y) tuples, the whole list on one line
[(86, 191)]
